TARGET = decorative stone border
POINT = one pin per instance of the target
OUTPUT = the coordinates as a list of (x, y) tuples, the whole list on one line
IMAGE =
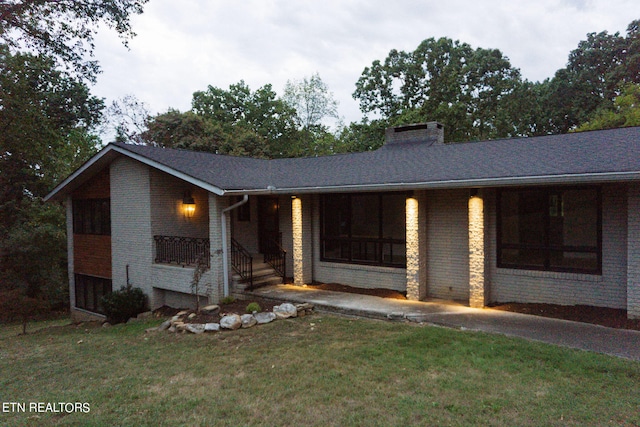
[(178, 323)]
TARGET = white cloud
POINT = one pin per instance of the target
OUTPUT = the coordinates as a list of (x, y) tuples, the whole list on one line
[(184, 46)]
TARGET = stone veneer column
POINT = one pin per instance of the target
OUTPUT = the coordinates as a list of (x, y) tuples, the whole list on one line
[(413, 249), (298, 252), (476, 252), (633, 252)]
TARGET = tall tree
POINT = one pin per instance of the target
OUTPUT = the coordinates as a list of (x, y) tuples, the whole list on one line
[(65, 29), (594, 76), (624, 112), (312, 100), (47, 119), (443, 80), (239, 112)]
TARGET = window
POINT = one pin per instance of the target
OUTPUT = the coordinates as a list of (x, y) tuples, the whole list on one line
[(92, 216), (553, 229), (89, 292), (364, 229)]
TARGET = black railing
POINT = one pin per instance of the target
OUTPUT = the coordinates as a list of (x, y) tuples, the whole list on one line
[(276, 257), (242, 261), (180, 250)]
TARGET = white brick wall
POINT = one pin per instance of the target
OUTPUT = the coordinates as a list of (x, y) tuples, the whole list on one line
[(633, 258), (606, 290), (131, 238), (167, 217)]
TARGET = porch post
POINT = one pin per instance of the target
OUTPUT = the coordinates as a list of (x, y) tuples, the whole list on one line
[(476, 251), (633, 252), (215, 275), (298, 245), (301, 209), (413, 249)]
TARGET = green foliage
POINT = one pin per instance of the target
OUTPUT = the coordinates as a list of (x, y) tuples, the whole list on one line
[(625, 112), (47, 118), (227, 300), (119, 306), (65, 29), (443, 80), (253, 307)]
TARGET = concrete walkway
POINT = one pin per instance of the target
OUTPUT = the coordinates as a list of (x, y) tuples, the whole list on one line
[(616, 342)]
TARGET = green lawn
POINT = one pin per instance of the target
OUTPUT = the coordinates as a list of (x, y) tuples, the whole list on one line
[(317, 370)]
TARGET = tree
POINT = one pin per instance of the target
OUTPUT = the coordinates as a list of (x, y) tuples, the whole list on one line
[(594, 76), (625, 112), (312, 100), (47, 119), (65, 29), (127, 117), (447, 81)]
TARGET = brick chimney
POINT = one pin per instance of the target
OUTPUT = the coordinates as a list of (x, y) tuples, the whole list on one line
[(427, 133)]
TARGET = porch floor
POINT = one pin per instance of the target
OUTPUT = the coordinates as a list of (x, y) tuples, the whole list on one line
[(616, 342)]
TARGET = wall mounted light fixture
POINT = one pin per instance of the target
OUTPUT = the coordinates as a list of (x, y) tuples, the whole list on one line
[(188, 205)]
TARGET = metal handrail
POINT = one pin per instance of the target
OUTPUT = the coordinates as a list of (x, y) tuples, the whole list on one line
[(276, 256), (242, 261)]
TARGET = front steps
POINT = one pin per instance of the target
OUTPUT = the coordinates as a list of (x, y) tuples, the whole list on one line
[(263, 275)]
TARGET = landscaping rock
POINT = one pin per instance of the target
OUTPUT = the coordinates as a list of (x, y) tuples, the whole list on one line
[(263, 318), (248, 320), (211, 327), (194, 328), (191, 316), (145, 315), (181, 313), (210, 309), (164, 325), (231, 321), (416, 317), (286, 310)]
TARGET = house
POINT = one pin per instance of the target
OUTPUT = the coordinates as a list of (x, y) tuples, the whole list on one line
[(551, 219)]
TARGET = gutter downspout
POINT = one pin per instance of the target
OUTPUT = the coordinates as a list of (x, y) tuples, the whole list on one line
[(225, 249)]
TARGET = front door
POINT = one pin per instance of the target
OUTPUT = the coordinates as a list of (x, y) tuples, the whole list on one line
[(268, 222)]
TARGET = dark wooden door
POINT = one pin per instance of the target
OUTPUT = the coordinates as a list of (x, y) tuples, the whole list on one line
[(268, 222)]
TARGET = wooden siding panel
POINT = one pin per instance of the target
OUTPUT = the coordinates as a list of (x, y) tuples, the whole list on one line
[(92, 255)]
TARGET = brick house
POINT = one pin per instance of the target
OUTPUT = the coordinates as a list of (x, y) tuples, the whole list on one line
[(552, 219)]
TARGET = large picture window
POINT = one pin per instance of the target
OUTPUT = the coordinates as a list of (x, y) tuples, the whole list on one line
[(92, 216), (364, 229), (550, 228), (89, 292)]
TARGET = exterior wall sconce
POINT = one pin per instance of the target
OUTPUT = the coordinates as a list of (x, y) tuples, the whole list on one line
[(188, 205)]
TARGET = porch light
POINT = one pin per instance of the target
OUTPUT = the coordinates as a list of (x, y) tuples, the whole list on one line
[(188, 205)]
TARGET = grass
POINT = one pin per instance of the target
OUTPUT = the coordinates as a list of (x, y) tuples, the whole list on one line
[(319, 370)]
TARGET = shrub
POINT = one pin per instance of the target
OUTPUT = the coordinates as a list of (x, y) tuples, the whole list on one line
[(253, 307), (228, 300), (120, 306)]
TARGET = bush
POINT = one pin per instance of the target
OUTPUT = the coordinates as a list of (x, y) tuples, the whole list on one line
[(120, 306), (227, 300), (253, 307)]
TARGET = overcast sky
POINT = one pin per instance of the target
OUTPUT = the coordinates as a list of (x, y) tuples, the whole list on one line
[(184, 46)]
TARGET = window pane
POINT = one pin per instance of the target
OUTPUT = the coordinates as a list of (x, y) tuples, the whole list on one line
[(394, 253), (80, 297), (534, 258), (365, 219), (364, 251), (578, 219), (336, 216), (332, 249), (393, 216), (574, 260)]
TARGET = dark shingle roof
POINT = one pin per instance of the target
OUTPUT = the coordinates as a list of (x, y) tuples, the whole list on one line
[(606, 155)]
